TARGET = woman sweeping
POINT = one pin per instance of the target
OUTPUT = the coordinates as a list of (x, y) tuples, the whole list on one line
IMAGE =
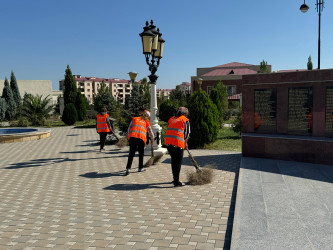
[(137, 132), (176, 138)]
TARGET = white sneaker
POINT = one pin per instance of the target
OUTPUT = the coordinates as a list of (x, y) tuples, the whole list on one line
[(141, 170)]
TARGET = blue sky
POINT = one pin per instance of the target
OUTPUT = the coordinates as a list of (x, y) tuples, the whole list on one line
[(101, 38)]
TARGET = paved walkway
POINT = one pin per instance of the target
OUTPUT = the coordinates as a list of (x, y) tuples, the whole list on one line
[(283, 205), (62, 193)]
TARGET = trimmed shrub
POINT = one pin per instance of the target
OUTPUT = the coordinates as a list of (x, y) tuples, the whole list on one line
[(167, 110), (204, 120), (81, 108), (69, 116)]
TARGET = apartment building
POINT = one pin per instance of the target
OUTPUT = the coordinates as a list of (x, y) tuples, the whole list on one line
[(185, 87), (163, 93), (89, 86)]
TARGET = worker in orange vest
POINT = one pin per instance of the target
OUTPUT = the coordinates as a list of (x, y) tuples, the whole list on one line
[(137, 137), (103, 127), (176, 137)]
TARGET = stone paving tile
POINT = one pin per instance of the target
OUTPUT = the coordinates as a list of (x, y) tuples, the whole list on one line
[(62, 193)]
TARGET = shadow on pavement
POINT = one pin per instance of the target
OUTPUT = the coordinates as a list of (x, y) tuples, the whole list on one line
[(225, 162), (129, 187), (50, 161), (304, 170), (102, 175)]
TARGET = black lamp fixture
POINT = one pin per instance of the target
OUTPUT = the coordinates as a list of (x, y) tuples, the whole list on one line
[(152, 46), (319, 6)]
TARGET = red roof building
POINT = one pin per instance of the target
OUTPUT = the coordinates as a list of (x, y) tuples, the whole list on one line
[(231, 75)]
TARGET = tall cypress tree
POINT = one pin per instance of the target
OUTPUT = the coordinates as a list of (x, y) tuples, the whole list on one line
[(3, 108), (70, 87), (7, 94), (16, 92), (80, 106)]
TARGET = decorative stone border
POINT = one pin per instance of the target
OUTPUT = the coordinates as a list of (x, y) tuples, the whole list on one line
[(36, 134)]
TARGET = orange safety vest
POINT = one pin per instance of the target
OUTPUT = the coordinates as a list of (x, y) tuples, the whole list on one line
[(102, 125), (138, 129), (175, 132)]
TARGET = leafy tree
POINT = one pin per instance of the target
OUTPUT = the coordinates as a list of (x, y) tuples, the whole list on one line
[(16, 92), (7, 94), (309, 64), (69, 116), (36, 108), (70, 87), (80, 106), (3, 108), (264, 67), (167, 110), (204, 119)]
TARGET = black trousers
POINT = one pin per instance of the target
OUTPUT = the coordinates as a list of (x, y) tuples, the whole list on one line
[(102, 139), (176, 161), (135, 144)]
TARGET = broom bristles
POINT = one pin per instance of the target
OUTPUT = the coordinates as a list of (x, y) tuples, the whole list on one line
[(122, 142), (157, 158), (202, 176), (149, 162)]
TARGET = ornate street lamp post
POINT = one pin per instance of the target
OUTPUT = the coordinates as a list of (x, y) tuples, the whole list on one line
[(319, 6), (152, 45)]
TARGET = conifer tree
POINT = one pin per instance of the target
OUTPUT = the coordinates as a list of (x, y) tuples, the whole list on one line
[(80, 106), (204, 119), (3, 108), (16, 92), (309, 64), (136, 101), (70, 87), (7, 94)]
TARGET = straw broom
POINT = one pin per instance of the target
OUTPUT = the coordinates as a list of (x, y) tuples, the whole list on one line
[(121, 142), (203, 175)]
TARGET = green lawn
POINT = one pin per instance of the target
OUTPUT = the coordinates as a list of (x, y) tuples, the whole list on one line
[(90, 123), (227, 140)]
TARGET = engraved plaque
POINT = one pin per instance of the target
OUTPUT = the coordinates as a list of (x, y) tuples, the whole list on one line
[(329, 111), (300, 110), (265, 110)]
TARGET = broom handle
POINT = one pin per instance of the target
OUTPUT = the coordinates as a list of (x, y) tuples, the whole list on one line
[(195, 164), (152, 150), (114, 134)]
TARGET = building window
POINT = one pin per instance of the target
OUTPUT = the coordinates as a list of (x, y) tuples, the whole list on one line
[(88, 84), (231, 90), (88, 90), (209, 89)]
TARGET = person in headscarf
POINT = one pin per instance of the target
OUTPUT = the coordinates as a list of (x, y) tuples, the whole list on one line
[(137, 132), (103, 127), (176, 137)]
